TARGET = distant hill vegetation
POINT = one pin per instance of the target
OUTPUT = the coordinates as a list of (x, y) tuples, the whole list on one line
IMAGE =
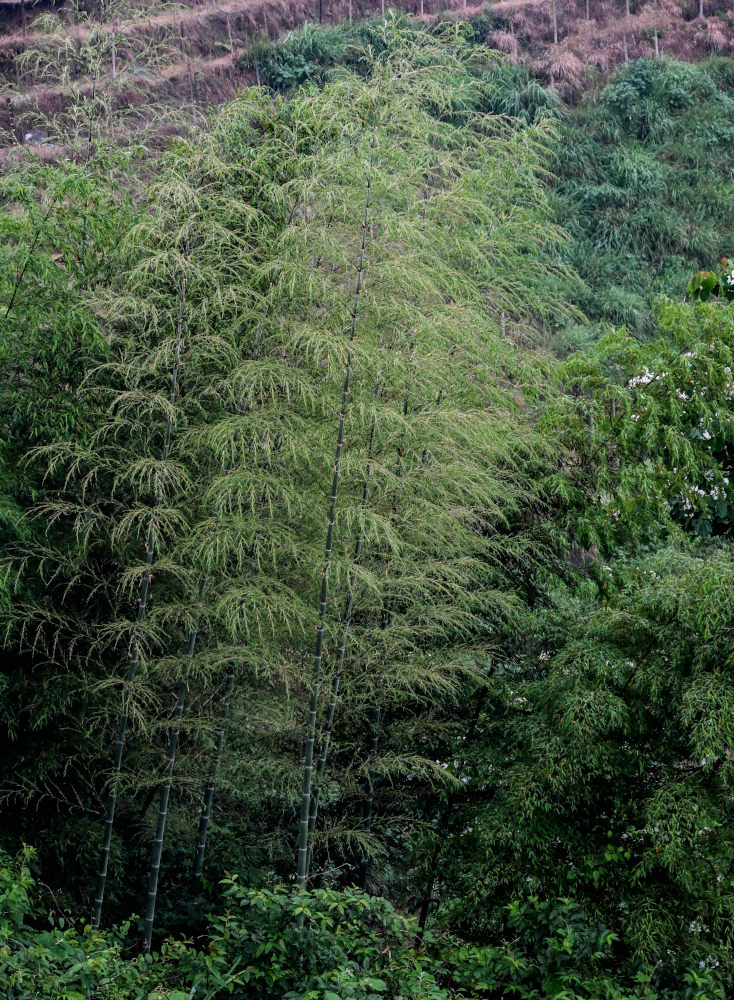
[(570, 43)]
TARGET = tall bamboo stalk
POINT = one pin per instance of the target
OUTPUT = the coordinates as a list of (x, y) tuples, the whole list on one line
[(303, 829), (375, 714), (141, 613), (346, 624), (208, 797), (26, 262), (206, 808), (165, 790)]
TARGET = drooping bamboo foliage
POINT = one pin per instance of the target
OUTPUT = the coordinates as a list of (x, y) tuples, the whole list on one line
[(91, 59), (142, 609)]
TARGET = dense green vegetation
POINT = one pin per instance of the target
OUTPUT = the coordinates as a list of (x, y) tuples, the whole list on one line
[(296, 450)]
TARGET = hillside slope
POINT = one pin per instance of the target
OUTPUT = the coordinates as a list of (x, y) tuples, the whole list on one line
[(570, 43)]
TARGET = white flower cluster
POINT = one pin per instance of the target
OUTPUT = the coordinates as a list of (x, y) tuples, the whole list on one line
[(715, 492), (645, 379), (730, 279)]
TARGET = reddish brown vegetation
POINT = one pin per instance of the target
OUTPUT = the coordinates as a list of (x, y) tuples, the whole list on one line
[(596, 35), (593, 37)]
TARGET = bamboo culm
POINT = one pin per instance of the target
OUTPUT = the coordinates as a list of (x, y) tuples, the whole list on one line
[(208, 798), (375, 714), (165, 791), (141, 613), (346, 623), (303, 829), (376, 711), (206, 808)]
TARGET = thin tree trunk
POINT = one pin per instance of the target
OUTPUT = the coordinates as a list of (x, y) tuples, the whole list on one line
[(588, 12), (657, 47), (165, 792), (302, 863), (626, 52), (141, 613), (555, 22), (700, 8)]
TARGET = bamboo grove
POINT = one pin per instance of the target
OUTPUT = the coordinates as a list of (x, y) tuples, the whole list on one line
[(322, 577), (263, 219)]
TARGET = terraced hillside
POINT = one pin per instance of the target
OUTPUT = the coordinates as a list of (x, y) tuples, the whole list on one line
[(570, 42), (203, 44)]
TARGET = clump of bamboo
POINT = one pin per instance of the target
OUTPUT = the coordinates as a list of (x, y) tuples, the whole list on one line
[(145, 582)]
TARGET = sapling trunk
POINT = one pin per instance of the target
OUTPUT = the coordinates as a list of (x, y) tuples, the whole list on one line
[(165, 791), (141, 613), (303, 829)]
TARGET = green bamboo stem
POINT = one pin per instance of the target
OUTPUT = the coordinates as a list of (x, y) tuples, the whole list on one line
[(375, 714), (165, 791), (346, 623), (208, 797), (134, 659), (206, 808), (303, 829), (26, 262), (376, 710)]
